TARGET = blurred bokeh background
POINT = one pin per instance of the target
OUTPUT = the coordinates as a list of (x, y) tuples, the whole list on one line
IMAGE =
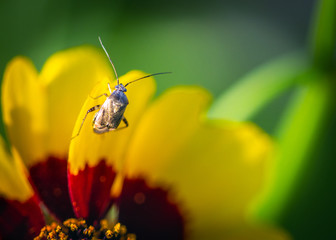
[(210, 43)]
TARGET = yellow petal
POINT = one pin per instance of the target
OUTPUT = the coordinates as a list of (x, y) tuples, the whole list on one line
[(24, 105), (164, 128), (218, 174), (254, 232), (13, 182), (69, 76), (89, 147)]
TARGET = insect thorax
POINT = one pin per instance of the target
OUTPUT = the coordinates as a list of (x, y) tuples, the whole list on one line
[(118, 97)]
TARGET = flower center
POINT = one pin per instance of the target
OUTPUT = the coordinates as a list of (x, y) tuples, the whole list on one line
[(78, 229)]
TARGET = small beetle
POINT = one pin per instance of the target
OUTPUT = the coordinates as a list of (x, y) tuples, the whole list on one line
[(111, 112)]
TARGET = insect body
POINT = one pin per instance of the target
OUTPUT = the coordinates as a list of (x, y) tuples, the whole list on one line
[(111, 112)]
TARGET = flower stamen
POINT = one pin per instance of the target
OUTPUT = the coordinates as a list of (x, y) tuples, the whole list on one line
[(78, 229)]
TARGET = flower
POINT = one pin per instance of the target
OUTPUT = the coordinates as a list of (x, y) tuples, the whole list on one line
[(172, 174)]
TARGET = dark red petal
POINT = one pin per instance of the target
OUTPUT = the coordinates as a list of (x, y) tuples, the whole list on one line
[(148, 212), (50, 180), (20, 220), (90, 191)]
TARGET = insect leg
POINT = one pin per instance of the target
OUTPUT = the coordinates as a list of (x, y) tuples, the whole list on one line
[(126, 123), (88, 111), (104, 94)]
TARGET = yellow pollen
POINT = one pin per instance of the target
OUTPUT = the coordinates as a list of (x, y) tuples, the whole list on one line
[(81, 222), (78, 229), (73, 227), (89, 231), (117, 228), (62, 236), (51, 235), (58, 228), (109, 234)]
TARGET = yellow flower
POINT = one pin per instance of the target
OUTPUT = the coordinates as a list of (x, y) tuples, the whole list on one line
[(172, 174)]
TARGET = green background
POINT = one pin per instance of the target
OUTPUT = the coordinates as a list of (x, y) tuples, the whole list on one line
[(208, 43)]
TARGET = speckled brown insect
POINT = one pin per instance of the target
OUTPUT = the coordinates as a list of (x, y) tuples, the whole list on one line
[(111, 112)]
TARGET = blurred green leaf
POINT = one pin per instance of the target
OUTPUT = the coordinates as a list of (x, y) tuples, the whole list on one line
[(258, 88), (324, 34), (297, 135)]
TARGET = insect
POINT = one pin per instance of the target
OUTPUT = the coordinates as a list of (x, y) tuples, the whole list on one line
[(111, 112)]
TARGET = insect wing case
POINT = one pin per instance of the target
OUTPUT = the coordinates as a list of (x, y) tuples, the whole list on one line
[(111, 113)]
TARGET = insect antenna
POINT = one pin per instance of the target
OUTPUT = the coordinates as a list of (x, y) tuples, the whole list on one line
[(150, 75), (115, 72)]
